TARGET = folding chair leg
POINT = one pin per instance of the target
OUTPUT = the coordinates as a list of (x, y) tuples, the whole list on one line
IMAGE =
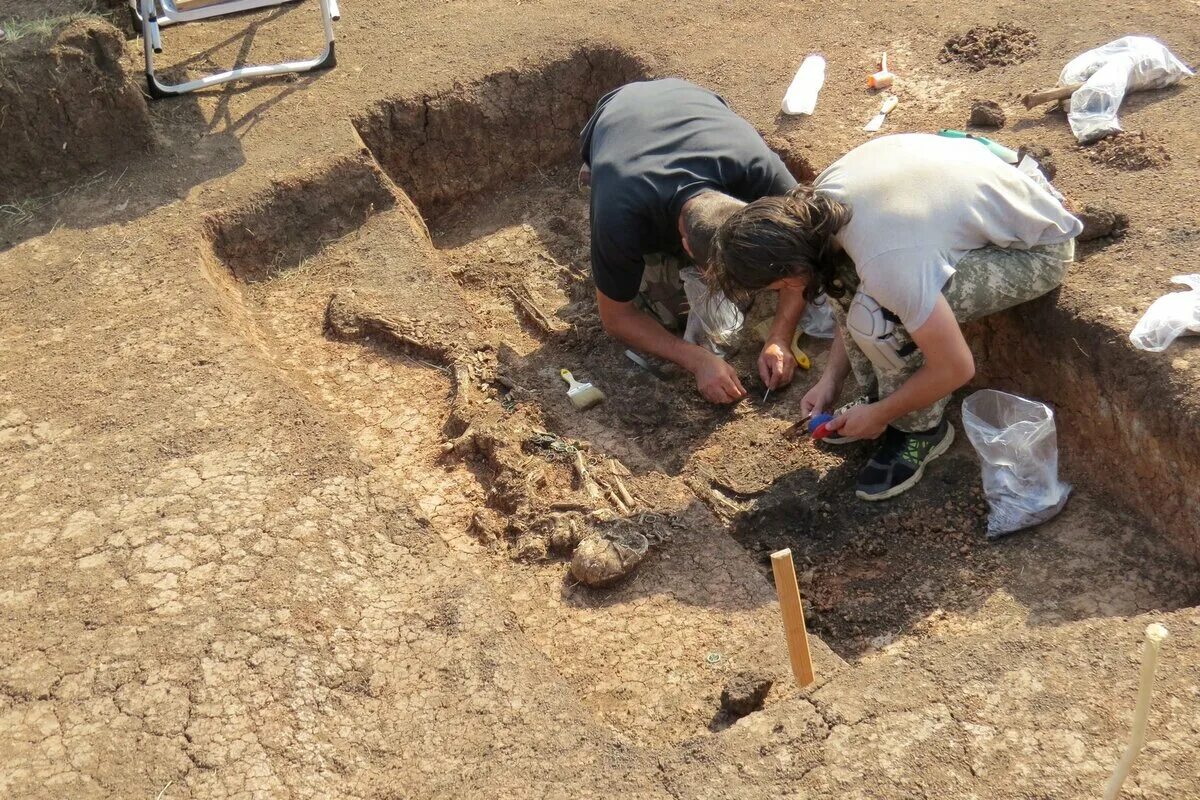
[(152, 43)]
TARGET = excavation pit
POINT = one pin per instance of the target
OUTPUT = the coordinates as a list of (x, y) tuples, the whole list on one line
[(487, 295), (873, 574)]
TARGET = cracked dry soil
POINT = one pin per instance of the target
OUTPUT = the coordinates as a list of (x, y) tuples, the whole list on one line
[(290, 479)]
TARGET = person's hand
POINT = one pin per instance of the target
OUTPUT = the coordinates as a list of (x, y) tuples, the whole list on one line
[(776, 364), (718, 381), (820, 397), (860, 422)]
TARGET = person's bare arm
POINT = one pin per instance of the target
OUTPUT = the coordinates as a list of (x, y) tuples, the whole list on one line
[(776, 365), (948, 366), (825, 391), (717, 381)]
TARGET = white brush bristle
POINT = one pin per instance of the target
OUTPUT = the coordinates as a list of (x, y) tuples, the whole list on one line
[(586, 397)]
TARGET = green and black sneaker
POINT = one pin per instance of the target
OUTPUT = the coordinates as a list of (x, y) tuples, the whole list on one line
[(900, 461)]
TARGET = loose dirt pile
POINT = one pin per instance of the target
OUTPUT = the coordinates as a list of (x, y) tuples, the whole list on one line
[(990, 46), (744, 693), (1129, 152), (70, 109)]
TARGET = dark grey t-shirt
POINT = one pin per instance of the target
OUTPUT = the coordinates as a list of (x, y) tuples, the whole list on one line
[(652, 146)]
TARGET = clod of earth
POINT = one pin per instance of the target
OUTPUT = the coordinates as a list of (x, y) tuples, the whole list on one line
[(986, 46), (1042, 155), (605, 558), (745, 693), (1099, 221), (986, 114), (531, 548)]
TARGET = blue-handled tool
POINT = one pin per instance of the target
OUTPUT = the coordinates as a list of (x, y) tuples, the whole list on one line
[(817, 425)]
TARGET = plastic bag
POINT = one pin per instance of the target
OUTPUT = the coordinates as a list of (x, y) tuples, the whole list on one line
[(1129, 64), (1018, 445), (713, 319), (817, 320), (1169, 316)]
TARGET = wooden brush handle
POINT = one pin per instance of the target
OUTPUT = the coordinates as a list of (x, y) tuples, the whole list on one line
[(1031, 99)]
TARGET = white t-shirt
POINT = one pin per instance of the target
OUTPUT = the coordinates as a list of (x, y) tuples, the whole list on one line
[(920, 202)]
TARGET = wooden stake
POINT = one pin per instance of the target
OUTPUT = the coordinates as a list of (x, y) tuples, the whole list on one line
[(1031, 99), (793, 616)]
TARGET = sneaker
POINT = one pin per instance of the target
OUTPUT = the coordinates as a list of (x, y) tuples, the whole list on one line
[(900, 462), (836, 439)]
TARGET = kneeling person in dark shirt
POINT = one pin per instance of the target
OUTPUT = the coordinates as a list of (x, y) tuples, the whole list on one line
[(668, 162)]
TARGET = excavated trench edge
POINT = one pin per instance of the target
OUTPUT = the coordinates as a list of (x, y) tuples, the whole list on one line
[(467, 140), (1124, 430), (430, 151)]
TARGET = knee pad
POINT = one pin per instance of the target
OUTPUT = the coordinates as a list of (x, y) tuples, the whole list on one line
[(874, 331)]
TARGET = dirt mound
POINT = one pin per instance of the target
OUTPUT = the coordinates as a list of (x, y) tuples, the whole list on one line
[(1128, 152), (69, 109), (1099, 221), (990, 46), (986, 114), (744, 693)]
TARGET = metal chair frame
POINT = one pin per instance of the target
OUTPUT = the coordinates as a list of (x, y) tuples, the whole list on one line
[(150, 16)]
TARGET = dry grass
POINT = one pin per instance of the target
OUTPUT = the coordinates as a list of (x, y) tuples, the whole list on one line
[(43, 27)]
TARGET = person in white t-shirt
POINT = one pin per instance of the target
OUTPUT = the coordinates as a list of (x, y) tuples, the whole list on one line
[(910, 235)]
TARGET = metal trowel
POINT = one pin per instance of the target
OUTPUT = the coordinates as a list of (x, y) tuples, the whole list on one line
[(889, 102)]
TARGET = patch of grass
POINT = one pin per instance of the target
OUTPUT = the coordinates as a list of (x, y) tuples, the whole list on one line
[(19, 212), (43, 27)]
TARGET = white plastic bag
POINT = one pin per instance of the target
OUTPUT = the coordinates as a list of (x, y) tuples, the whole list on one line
[(801, 95), (1018, 445), (817, 320), (713, 319), (1131, 63), (1169, 316)]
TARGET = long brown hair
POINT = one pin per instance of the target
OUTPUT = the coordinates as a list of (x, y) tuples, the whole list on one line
[(777, 237)]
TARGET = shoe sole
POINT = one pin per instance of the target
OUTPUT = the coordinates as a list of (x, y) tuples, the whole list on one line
[(840, 442), (901, 488)]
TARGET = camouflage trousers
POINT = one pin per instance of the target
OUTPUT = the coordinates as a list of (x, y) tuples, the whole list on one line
[(985, 281), (672, 288)]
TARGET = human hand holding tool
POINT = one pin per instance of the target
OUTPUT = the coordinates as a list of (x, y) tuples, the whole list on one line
[(776, 364), (860, 422), (817, 425)]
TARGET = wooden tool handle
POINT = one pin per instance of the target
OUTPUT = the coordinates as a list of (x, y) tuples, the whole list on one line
[(1031, 99), (793, 617)]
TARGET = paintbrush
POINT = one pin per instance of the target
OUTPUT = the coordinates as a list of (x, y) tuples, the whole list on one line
[(582, 395)]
